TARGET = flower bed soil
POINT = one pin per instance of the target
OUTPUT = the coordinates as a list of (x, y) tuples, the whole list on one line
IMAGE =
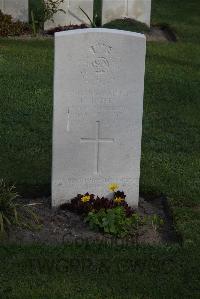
[(156, 33), (62, 226), (64, 28)]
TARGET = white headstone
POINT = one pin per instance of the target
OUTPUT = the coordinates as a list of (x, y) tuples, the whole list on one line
[(139, 10), (18, 9), (73, 14), (98, 106)]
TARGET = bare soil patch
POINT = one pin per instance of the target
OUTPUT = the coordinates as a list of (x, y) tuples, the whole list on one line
[(62, 226)]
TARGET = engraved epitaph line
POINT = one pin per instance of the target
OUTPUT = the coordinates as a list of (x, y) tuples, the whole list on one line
[(97, 142)]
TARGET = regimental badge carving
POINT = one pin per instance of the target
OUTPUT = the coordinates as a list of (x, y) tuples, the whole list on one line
[(101, 47), (101, 63), (98, 61)]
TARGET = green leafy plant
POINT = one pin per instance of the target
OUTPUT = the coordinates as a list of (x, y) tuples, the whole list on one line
[(12, 212), (36, 15), (42, 12), (156, 222), (50, 8), (114, 221), (97, 14), (33, 23), (92, 22)]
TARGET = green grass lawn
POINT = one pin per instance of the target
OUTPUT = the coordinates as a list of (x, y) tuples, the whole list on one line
[(170, 166), (26, 114), (90, 272)]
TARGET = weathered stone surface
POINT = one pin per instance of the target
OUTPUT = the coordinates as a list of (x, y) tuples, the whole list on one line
[(98, 105), (17, 8), (73, 14), (139, 10)]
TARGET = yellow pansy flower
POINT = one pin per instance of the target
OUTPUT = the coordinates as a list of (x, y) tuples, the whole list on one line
[(118, 199), (85, 198), (113, 187)]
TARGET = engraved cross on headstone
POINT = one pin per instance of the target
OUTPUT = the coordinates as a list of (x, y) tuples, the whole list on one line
[(97, 142)]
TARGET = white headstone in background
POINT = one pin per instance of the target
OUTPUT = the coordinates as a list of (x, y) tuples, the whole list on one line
[(139, 10), (73, 14), (98, 106), (18, 9)]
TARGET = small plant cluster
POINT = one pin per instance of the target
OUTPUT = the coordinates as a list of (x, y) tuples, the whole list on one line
[(51, 7), (8, 27), (42, 11), (83, 204), (12, 212), (97, 14), (113, 216), (114, 221)]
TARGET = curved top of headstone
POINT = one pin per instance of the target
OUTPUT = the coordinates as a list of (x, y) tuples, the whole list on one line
[(100, 30)]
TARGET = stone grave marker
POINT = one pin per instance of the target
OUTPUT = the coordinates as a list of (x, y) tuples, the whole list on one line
[(73, 14), (98, 106), (139, 10), (18, 9)]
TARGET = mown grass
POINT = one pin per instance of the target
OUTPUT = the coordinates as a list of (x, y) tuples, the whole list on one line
[(83, 271), (170, 166), (26, 76)]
